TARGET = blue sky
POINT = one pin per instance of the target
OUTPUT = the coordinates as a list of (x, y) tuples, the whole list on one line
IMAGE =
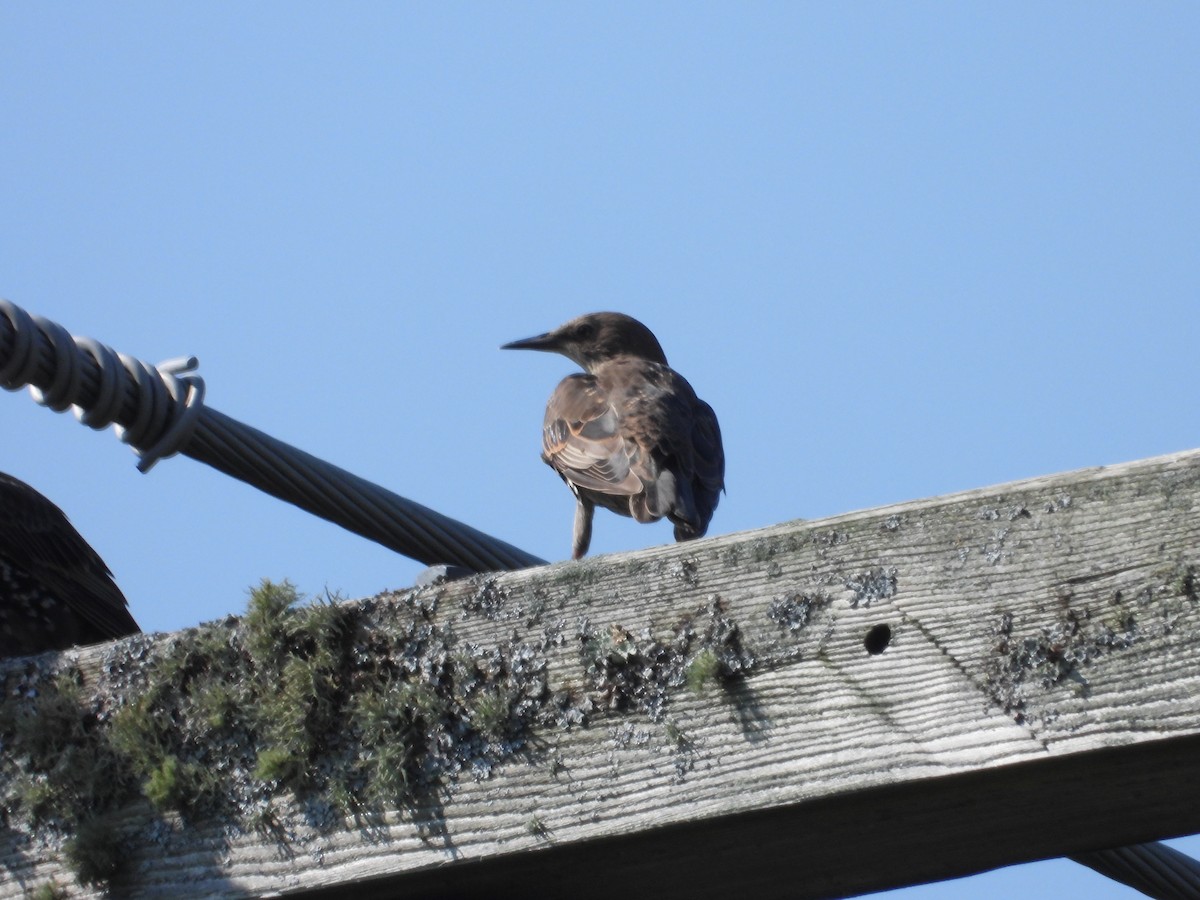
[(902, 249)]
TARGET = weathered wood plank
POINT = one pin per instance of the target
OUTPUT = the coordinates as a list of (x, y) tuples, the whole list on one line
[(1038, 695)]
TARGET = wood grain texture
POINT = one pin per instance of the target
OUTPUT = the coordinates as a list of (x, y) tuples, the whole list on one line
[(1038, 695)]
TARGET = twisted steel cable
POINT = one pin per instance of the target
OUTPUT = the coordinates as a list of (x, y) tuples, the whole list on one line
[(1154, 869), (160, 411)]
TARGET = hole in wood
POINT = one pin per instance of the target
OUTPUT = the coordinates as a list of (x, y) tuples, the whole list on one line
[(877, 639)]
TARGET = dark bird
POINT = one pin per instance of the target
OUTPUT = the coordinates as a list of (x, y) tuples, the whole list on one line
[(629, 435), (55, 591)]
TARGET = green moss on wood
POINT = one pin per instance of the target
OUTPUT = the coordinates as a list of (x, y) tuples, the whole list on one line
[(342, 709), (702, 670), (50, 890)]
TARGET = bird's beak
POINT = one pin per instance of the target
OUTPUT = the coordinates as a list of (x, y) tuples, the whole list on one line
[(547, 341)]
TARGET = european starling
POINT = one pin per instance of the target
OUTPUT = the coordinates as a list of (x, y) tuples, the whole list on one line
[(55, 591), (629, 435)]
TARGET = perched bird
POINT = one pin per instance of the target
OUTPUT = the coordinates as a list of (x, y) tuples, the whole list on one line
[(629, 435), (55, 591)]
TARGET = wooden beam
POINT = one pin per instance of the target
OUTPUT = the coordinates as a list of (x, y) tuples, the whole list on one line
[(876, 699)]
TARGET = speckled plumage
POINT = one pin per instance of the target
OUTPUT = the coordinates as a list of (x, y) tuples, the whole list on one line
[(629, 434), (55, 591)]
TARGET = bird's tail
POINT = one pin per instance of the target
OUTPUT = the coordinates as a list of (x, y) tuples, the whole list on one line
[(690, 522)]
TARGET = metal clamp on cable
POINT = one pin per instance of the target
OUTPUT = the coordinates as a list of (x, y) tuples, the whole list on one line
[(188, 393)]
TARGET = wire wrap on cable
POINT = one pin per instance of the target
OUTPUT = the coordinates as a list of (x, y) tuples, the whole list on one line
[(159, 411), (65, 372)]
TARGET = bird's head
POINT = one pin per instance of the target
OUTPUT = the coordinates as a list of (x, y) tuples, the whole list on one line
[(596, 338)]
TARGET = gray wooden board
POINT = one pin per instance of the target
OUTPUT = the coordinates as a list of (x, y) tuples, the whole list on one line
[(1039, 695)]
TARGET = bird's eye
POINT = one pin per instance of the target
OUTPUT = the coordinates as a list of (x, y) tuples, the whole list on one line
[(585, 331)]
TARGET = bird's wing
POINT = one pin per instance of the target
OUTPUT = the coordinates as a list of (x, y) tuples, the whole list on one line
[(679, 456), (36, 536), (709, 453), (581, 438)]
